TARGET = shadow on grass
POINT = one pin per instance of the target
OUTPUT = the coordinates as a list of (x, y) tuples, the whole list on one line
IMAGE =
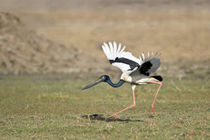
[(100, 117)]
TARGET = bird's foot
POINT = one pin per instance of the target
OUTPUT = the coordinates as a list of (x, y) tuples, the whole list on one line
[(113, 115)]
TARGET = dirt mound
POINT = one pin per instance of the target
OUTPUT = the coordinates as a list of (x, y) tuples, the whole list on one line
[(23, 51)]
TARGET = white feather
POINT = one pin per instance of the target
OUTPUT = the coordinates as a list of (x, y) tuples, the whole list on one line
[(123, 67), (142, 55), (119, 47), (111, 48), (115, 47), (123, 49), (112, 51)]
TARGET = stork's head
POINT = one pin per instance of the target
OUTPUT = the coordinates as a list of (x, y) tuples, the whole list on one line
[(102, 78)]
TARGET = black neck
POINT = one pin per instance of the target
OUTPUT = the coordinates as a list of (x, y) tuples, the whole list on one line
[(120, 83)]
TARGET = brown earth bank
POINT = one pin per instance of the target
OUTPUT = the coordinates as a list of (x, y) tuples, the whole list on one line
[(24, 51), (65, 37)]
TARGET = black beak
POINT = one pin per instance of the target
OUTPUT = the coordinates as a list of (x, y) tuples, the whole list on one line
[(92, 84)]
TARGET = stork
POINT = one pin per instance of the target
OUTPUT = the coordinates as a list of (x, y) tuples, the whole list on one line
[(136, 71)]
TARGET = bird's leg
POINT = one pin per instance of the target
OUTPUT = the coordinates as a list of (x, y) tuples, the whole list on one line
[(160, 84), (133, 105)]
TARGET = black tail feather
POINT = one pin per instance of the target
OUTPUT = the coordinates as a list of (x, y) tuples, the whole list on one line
[(158, 77)]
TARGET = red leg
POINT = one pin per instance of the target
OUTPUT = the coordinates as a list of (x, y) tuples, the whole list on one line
[(160, 84), (133, 105)]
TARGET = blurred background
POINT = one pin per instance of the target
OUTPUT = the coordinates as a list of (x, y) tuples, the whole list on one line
[(64, 37)]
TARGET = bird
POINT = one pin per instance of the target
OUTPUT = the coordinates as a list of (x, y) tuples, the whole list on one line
[(136, 71)]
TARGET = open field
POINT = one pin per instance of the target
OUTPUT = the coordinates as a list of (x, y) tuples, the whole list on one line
[(54, 107)]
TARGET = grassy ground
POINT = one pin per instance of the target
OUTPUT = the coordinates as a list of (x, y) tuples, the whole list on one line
[(54, 107)]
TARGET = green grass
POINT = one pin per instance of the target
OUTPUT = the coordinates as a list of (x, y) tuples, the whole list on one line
[(55, 107)]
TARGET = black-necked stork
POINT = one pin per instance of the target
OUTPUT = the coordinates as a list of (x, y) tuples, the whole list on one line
[(135, 71)]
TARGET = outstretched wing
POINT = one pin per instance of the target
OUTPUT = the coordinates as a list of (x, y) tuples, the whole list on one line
[(119, 58), (149, 64)]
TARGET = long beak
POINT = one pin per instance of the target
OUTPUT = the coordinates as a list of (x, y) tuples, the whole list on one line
[(92, 84)]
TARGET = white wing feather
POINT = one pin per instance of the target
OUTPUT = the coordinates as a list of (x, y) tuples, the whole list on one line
[(113, 50)]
